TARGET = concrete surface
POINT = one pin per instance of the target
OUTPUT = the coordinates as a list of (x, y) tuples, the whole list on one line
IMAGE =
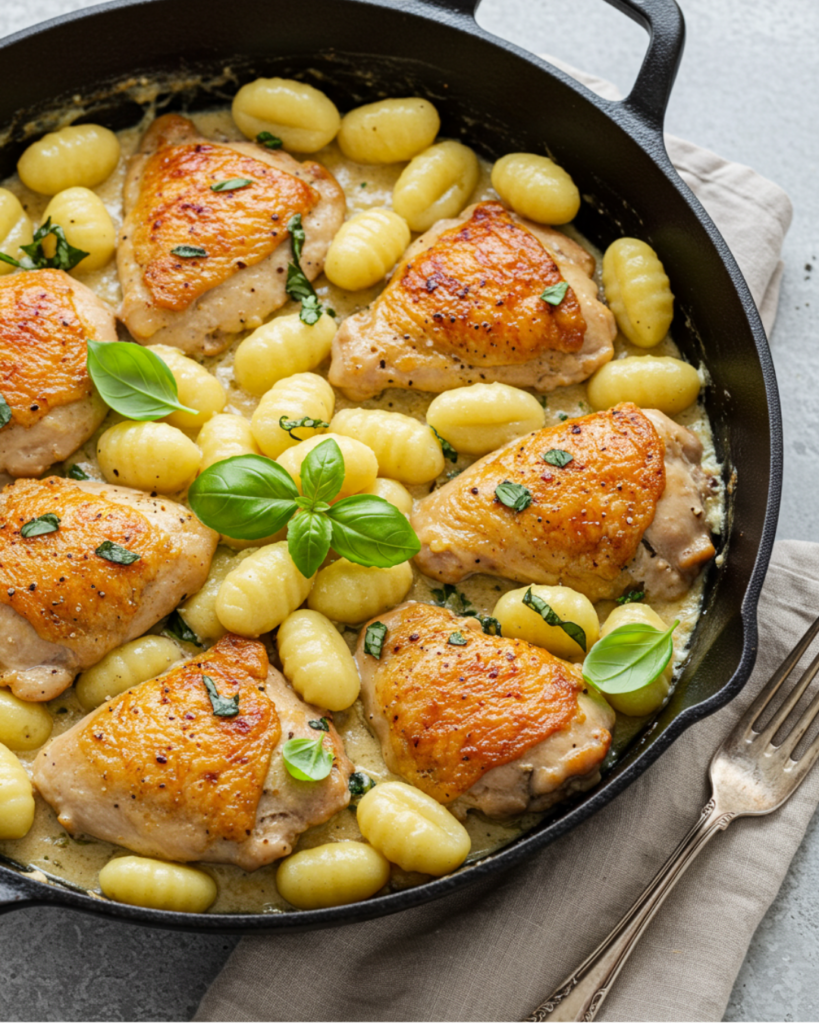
[(747, 89)]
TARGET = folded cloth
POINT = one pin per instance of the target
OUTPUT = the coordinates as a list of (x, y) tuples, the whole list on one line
[(496, 949)]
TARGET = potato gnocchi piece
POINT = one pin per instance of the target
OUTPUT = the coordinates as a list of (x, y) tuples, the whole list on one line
[(87, 226), (518, 620), (652, 382), (148, 456), (332, 875), (16, 228), (393, 492), (126, 666), (197, 388), (638, 291), (259, 594), (298, 114), (360, 463), (317, 662), (145, 882), (436, 184), (412, 830), (302, 395), (23, 725), (281, 348), (199, 611), (16, 797), (351, 593), (481, 417), (406, 450), (223, 436), (645, 701), (82, 154), (387, 131), (366, 248), (536, 187)]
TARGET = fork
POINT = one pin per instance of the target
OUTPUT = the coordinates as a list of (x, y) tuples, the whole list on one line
[(749, 776)]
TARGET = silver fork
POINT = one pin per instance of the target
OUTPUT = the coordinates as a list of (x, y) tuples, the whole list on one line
[(749, 776)]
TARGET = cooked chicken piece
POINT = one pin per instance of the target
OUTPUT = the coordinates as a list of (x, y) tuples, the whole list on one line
[(497, 722), (465, 305), (62, 605), (197, 303), (45, 319), (158, 771)]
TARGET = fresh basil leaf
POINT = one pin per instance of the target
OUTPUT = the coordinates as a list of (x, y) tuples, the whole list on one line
[(231, 185), (374, 639), (446, 447), (370, 531), (490, 625), (306, 422), (322, 472), (514, 496), (632, 596), (5, 412), (223, 707), (307, 760), (308, 541), (46, 523), (189, 252), (246, 496), (557, 457), (360, 783), (555, 293), (629, 658), (551, 618), (319, 723), (117, 554), (450, 597), (269, 140), (76, 472), (178, 629), (131, 380), (457, 639), (297, 236)]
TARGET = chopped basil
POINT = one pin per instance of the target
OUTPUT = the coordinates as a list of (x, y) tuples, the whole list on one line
[(544, 400), (514, 496), (450, 597), (76, 472), (223, 707), (297, 286), (374, 639), (629, 658), (297, 236), (555, 293), (177, 628), (46, 523), (307, 760), (631, 597), (562, 416), (457, 639), (490, 626), (557, 457), (360, 783), (112, 552), (65, 257), (319, 723), (363, 184), (306, 422), (452, 473), (551, 618), (332, 313), (269, 140), (446, 447), (5, 412), (231, 185), (189, 252)]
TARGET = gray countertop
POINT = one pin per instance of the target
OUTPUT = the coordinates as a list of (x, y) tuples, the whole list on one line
[(747, 89)]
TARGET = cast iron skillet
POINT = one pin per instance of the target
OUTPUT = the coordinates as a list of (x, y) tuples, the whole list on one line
[(498, 99)]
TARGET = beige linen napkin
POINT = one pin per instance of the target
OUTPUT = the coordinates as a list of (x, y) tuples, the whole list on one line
[(496, 949)]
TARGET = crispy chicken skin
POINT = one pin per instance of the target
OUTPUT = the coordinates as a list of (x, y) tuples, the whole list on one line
[(465, 305), (481, 721), (197, 303), (45, 318), (62, 606), (156, 771)]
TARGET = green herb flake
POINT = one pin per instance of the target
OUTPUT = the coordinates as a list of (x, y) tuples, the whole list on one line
[(360, 783), (5, 411), (307, 760), (76, 472), (319, 723), (178, 629), (46, 523), (363, 184), (557, 457), (562, 416), (490, 625), (189, 252), (629, 658), (332, 313), (555, 293), (446, 447), (514, 496), (457, 639), (231, 185), (455, 600), (551, 618), (269, 140), (374, 639), (632, 597), (112, 552), (452, 473), (223, 707), (305, 423)]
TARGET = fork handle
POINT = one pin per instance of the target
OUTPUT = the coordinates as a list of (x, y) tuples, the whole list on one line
[(580, 995)]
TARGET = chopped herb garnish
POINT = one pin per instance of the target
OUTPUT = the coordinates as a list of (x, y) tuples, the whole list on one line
[(360, 783), (307, 760), (374, 639), (319, 723), (363, 184), (269, 140), (46, 523), (189, 252), (332, 312), (65, 257), (557, 457), (5, 412), (231, 185), (551, 618), (112, 552), (223, 707), (306, 421), (76, 472), (457, 639), (514, 496), (446, 447), (297, 286), (177, 628), (452, 473), (632, 597), (450, 597), (562, 416), (490, 625), (555, 293), (544, 401)]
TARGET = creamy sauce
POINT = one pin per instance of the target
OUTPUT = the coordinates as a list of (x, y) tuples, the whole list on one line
[(48, 848)]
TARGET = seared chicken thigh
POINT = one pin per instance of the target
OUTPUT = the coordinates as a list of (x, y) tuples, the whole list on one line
[(586, 520), (196, 302), (157, 771), (63, 605), (499, 723), (45, 319), (466, 305)]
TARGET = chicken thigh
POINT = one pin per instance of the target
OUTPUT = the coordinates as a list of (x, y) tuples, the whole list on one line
[(63, 605), (157, 771), (196, 302), (466, 306), (497, 723), (45, 319)]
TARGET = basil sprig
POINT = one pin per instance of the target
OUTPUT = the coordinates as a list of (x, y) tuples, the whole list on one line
[(514, 496), (551, 618), (231, 185), (446, 447), (307, 760), (297, 286), (250, 497), (629, 658), (65, 257), (46, 523), (131, 380), (555, 293), (5, 412), (223, 707)]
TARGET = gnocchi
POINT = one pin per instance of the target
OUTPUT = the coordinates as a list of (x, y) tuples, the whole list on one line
[(300, 115), (406, 450), (652, 382), (145, 882), (317, 661), (199, 611), (536, 187), (23, 725), (649, 698), (259, 593), (351, 593), (436, 184), (393, 492), (387, 131), (518, 620), (638, 291), (302, 395), (412, 830), (81, 154), (148, 456), (360, 463), (16, 228), (126, 666), (332, 875), (283, 347), (16, 797), (366, 248), (480, 418), (223, 436), (196, 388), (87, 226)]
